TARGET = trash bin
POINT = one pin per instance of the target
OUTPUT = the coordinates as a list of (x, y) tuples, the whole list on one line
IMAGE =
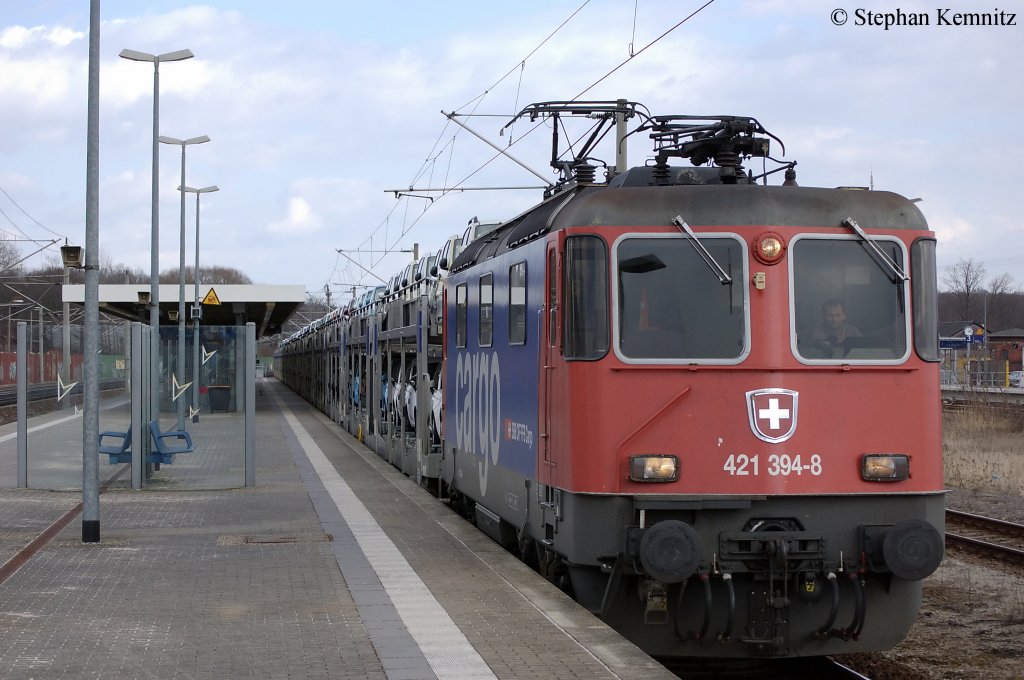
[(220, 397)]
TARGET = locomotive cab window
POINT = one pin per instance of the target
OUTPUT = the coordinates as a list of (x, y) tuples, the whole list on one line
[(849, 306), (585, 290), (672, 307), (926, 299)]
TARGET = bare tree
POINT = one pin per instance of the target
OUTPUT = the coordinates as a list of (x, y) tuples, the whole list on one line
[(964, 280), (998, 302), (225, 275), (213, 275), (318, 299), (9, 255)]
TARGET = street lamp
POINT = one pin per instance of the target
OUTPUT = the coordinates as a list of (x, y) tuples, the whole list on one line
[(202, 139), (197, 313), (154, 254)]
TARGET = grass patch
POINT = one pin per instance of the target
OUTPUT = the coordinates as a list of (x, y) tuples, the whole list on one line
[(983, 449)]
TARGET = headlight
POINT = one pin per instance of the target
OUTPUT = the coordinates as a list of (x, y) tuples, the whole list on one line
[(653, 468), (885, 467)]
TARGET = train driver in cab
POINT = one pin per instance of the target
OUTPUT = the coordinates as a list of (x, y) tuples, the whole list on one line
[(834, 329)]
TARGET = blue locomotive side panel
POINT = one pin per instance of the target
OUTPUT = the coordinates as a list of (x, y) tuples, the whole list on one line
[(493, 360)]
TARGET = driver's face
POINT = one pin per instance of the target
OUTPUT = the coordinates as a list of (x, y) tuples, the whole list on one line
[(835, 316)]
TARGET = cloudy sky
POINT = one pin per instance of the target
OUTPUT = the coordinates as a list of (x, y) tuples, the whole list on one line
[(316, 109)]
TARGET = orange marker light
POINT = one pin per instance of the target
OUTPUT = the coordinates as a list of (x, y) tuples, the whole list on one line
[(769, 248)]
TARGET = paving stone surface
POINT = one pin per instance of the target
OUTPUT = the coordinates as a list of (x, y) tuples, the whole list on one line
[(267, 583)]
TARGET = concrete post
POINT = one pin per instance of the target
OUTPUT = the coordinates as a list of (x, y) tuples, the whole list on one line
[(21, 380), (250, 404), (91, 325), (139, 424)]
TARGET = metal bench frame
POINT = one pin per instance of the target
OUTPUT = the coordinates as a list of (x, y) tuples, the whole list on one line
[(119, 453), (166, 451)]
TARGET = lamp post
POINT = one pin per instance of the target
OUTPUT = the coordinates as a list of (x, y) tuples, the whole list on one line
[(154, 254), (91, 325), (202, 139), (196, 307)]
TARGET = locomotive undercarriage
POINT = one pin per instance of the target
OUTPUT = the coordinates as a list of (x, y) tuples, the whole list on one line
[(764, 584)]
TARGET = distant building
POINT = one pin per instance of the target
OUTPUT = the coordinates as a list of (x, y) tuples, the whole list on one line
[(1006, 346), (970, 356)]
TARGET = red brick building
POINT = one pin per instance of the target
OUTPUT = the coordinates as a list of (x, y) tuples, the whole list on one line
[(1006, 346)]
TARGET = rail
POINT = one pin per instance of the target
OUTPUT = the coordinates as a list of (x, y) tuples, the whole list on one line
[(48, 390), (986, 536)]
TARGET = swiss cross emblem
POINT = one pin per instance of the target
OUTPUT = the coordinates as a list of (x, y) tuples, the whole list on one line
[(772, 413)]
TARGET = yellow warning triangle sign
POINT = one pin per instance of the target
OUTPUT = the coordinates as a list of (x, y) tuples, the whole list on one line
[(211, 298)]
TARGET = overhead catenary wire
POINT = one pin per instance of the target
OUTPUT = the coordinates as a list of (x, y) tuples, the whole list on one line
[(15, 225), (515, 107), (25, 212), (407, 226), (431, 156), (643, 49), (632, 39), (524, 59)]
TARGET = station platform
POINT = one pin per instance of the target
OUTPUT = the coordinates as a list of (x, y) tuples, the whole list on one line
[(335, 565)]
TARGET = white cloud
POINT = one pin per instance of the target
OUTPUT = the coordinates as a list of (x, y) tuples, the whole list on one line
[(34, 84), (18, 37), (300, 218), (14, 37), (63, 36), (312, 119), (952, 230)]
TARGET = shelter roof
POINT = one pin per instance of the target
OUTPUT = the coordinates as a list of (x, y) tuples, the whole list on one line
[(268, 306)]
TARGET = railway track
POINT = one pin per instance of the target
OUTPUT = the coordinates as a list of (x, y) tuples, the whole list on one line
[(48, 390), (808, 668), (985, 536)]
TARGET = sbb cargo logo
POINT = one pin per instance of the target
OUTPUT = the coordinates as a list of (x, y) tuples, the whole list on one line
[(477, 407), (518, 432), (772, 412)]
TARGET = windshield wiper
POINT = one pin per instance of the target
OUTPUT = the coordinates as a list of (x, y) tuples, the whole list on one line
[(880, 257), (708, 258)]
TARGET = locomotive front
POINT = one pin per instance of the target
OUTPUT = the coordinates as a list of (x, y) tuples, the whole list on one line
[(736, 408), (767, 427), (764, 414)]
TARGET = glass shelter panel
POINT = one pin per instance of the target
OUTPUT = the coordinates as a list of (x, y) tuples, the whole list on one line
[(208, 394), (54, 402), (207, 450)]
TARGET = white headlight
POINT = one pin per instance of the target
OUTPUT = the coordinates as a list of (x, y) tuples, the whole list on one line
[(653, 468), (885, 467)]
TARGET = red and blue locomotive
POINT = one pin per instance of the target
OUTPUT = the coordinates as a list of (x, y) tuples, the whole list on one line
[(707, 407)]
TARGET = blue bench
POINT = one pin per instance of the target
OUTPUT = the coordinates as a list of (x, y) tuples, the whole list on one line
[(119, 453), (165, 449)]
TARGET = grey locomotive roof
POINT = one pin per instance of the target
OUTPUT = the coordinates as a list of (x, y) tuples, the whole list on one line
[(625, 203)]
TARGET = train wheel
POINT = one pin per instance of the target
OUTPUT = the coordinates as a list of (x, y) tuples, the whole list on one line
[(554, 570), (529, 551)]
